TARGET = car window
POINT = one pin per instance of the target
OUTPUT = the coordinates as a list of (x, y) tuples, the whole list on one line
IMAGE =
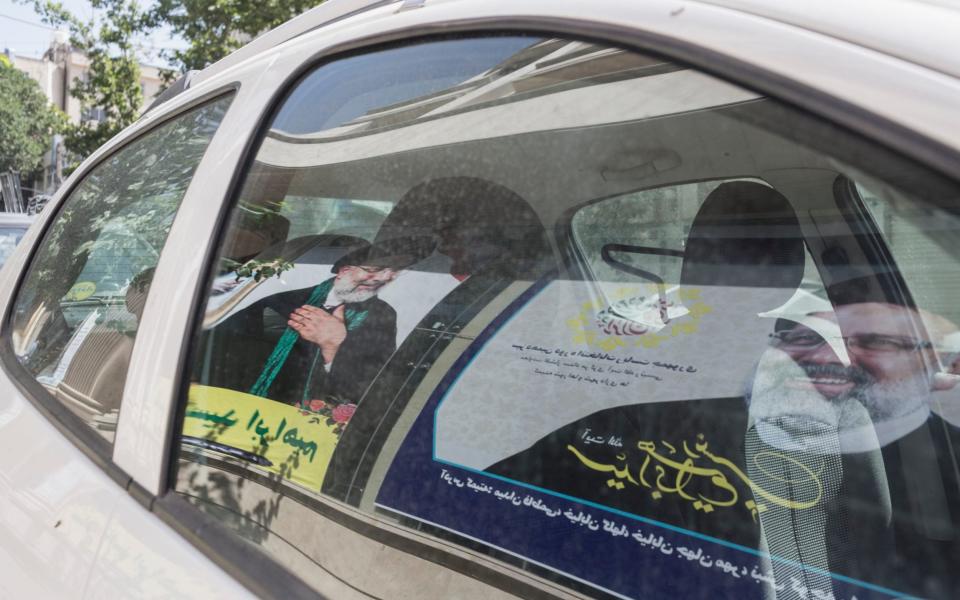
[(922, 239), (358, 217), (9, 238), (77, 313), (618, 327), (640, 236)]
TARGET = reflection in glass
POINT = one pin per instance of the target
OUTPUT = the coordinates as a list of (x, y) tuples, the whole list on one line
[(78, 311), (625, 323)]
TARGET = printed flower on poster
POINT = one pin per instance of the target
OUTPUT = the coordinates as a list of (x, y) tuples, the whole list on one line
[(335, 412), (611, 343), (343, 412), (699, 309), (585, 337), (651, 341)]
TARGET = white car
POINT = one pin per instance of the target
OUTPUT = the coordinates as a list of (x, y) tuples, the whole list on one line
[(482, 298)]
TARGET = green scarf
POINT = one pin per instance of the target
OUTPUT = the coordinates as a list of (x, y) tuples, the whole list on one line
[(353, 318)]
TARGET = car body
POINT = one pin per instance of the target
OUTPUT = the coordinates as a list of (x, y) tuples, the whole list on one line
[(135, 463)]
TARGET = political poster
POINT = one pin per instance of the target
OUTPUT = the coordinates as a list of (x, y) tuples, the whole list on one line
[(285, 440), (615, 451)]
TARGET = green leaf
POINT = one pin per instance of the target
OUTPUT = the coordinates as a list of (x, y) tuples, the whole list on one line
[(27, 122)]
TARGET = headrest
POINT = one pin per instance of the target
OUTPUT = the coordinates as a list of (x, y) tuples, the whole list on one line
[(745, 235), (253, 232), (492, 215)]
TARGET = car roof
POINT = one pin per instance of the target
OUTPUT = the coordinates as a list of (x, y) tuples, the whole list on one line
[(825, 60), (923, 32), (926, 33)]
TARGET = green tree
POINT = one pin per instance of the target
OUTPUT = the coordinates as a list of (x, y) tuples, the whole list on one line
[(112, 82), (127, 202), (215, 28), (27, 121)]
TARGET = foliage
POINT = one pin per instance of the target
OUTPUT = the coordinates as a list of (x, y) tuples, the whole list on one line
[(113, 80), (260, 269), (116, 221), (215, 28), (27, 121)]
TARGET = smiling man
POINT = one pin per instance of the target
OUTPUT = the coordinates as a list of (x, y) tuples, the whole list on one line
[(848, 392), (863, 369)]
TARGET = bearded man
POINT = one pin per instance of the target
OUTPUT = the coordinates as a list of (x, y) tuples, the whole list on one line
[(860, 372), (850, 391), (335, 336)]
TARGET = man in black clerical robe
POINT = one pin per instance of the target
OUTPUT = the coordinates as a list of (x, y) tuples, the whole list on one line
[(325, 342)]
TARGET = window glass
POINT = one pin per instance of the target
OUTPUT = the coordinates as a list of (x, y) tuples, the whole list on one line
[(639, 238), (77, 313), (922, 239), (605, 322), (9, 238), (309, 215)]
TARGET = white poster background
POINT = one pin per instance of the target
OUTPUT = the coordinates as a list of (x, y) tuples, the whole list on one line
[(550, 365), (412, 294)]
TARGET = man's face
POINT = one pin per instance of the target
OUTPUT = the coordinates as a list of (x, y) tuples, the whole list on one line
[(357, 283), (887, 369)]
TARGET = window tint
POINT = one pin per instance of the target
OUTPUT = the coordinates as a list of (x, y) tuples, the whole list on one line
[(77, 313), (607, 323)]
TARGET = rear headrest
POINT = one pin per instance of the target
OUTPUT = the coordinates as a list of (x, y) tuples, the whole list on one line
[(491, 213), (745, 235)]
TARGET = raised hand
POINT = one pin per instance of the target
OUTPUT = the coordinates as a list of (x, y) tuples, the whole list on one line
[(327, 330)]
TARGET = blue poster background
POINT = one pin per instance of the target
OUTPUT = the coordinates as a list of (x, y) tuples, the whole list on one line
[(621, 553)]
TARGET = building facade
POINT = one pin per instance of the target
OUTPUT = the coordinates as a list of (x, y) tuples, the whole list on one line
[(55, 71)]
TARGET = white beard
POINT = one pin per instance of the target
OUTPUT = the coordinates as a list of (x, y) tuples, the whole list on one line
[(348, 292), (805, 420), (356, 295)]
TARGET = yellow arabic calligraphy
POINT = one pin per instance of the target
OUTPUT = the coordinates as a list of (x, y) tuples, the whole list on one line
[(673, 477), (621, 473)]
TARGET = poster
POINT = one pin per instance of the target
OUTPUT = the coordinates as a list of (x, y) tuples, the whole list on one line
[(557, 364), (411, 295), (272, 436)]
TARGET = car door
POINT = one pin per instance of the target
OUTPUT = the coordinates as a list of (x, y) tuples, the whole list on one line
[(74, 305), (605, 255)]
